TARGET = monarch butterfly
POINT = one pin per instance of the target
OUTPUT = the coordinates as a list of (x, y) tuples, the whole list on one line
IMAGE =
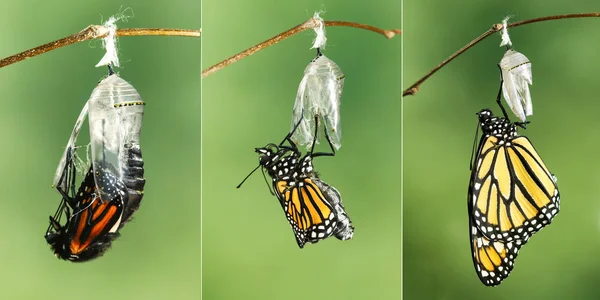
[(91, 224), (512, 195), (313, 208)]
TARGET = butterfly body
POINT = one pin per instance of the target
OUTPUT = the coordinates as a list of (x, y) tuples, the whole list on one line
[(133, 178)]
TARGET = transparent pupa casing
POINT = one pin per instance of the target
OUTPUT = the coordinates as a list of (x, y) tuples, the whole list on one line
[(70, 154), (115, 114), (517, 76), (319, 94)]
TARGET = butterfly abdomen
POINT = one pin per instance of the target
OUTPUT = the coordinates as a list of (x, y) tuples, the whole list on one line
[(133, 177), (344, 230)]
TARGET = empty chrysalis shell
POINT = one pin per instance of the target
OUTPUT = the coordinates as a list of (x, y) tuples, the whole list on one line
[(70, 153), (319, 94), (115, 118), (516, 73)]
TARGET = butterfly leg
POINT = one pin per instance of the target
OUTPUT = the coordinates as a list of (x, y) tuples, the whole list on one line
[(293, 147), (522, 124), (332, 153), (498, 98), (289, 135), (271, 186), (68, 175), (55, 220)]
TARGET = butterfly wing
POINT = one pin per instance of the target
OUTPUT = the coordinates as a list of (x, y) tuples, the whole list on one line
[(513, 195), (309, 213), (493, 260), (94, 223)]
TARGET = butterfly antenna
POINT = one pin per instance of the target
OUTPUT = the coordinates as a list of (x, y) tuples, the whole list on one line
[(239, 185)]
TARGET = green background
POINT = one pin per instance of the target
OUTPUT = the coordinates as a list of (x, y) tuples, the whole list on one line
[(157, 255), (249, 251), (561, 261)]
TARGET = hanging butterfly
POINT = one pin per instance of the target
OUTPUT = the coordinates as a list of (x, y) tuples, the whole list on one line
[(115, 180), (91, 225), (512, 195), (313, 208)]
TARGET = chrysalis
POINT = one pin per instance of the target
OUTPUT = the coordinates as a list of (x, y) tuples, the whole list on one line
[(319, 94), (115, 114), (113, 185), (516, 76)]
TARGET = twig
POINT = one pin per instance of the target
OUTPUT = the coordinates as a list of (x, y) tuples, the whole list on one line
[(413, 89), (311, 23), (95, 32)]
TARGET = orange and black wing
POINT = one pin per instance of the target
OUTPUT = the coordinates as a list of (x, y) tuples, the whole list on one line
[(92, 226), (512, 194), (89, 232), (493, 260), (93, 220), (309, 213)]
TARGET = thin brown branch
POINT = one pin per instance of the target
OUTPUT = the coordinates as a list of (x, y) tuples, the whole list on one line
[(311, 23), (413, 89), (95, 32)]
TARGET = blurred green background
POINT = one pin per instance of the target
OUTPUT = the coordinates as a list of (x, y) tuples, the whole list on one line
[(249, 251), (561, 261), (157, 255)]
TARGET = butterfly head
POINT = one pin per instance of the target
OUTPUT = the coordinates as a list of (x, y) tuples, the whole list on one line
[(58, 239), (485, 115), (268, 154)]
